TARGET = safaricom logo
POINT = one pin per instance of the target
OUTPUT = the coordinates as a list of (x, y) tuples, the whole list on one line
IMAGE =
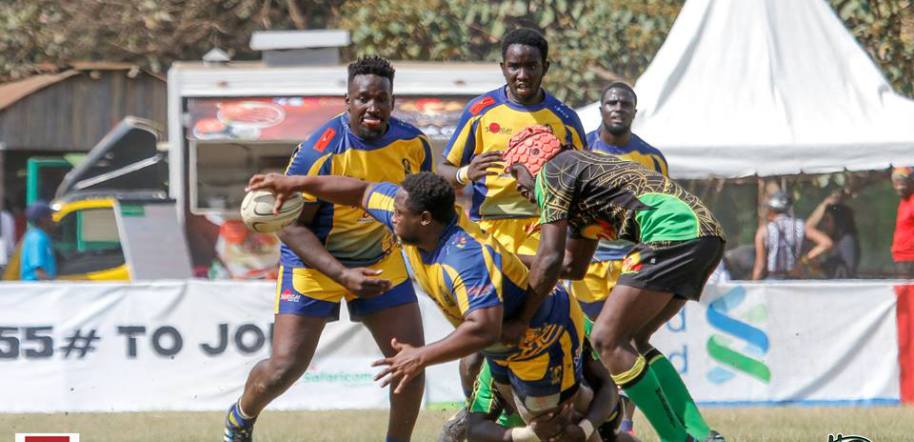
[(741, 345)]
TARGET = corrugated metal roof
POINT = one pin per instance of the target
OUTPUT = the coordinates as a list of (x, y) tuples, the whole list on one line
[(16, 90)]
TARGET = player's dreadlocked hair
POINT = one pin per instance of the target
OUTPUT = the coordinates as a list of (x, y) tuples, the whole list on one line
[(372, 64), (430, 192), (619, 85), (526, 37)]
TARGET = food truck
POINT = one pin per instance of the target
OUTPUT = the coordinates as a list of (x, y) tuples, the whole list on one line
[(229, 120)]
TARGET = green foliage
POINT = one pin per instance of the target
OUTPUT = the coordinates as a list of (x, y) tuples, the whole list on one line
[(592, 41), (152, 33), (885, 28)]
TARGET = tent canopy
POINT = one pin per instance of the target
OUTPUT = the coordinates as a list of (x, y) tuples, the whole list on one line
[(767, 87)]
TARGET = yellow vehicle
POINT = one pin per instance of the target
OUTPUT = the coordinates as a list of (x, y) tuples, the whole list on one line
[(115, 238), (113, 222), (86, 241)]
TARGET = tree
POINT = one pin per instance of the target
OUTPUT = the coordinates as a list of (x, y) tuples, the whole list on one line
[(885, 28), (152, 33), (592, 41)]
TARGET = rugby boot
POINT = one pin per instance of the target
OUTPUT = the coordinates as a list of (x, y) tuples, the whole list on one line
[(237, 428), (715, 437)]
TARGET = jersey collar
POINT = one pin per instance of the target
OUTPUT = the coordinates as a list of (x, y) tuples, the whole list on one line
[(446, 234), (503, 97), (385, 139)]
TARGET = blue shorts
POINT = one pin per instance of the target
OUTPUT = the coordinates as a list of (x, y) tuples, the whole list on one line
[(548, 376), (308, 292)]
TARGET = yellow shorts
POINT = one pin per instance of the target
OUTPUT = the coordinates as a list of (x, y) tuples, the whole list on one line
[(599, 281), (304, 291), (521, 236)]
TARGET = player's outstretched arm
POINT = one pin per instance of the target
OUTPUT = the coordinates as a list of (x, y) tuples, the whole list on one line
[(480, 329), (299, 237), (335, 189)]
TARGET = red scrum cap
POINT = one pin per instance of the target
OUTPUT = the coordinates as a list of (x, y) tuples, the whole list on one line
[(532, 147)]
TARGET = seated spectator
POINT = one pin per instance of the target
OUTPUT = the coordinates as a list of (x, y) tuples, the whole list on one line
[(779, 242), (903, 239), (37, 262), (836, 220)]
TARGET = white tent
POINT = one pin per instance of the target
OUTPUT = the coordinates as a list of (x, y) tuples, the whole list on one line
[(767, 87)]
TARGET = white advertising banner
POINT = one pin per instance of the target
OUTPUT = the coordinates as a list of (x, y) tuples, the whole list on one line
[(167, 346), (813, 343), (189, 345)]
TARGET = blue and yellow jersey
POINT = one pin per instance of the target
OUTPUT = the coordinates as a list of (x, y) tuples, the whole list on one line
[(348, 233), (486, 125), (636, 150), (469, 269)]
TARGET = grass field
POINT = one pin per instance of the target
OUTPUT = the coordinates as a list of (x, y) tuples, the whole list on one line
[(739, 424)]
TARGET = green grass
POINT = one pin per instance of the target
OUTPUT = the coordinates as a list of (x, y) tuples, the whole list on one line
[(738, 424)]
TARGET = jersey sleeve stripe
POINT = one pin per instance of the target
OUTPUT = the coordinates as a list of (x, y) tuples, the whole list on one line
[(460, 151), (457, 286), (321, 166), (427, 164), (493, 270), (380, 201)]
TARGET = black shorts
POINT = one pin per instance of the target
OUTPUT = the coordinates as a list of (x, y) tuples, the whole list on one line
[(678, 267)]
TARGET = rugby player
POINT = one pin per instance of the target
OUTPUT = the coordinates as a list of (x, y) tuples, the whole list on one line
[(476, 282), (492, 419), (473, 155), (585, 196), (335, 252), (618, 107)]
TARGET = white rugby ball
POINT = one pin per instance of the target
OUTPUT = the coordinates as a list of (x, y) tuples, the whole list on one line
[(257, 211)]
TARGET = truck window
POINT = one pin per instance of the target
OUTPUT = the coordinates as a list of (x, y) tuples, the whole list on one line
[(87, 241)]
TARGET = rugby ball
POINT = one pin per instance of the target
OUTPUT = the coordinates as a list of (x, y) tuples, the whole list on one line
[(257, 211)]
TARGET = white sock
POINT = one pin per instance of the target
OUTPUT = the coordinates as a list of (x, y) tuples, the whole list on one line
[(242, 413)]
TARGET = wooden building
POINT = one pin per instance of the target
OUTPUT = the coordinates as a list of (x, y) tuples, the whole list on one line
[(68, 111)]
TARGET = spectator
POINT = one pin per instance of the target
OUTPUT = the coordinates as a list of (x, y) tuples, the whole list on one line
[(779, 242), (836, 220), (7, 236), (903, 240), (37, 259)]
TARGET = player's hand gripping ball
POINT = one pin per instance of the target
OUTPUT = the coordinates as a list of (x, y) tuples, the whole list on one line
[(532, 147), (257, 211)]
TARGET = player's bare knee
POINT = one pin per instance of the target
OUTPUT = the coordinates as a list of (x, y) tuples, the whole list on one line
[(282, 370), (605, 340)]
